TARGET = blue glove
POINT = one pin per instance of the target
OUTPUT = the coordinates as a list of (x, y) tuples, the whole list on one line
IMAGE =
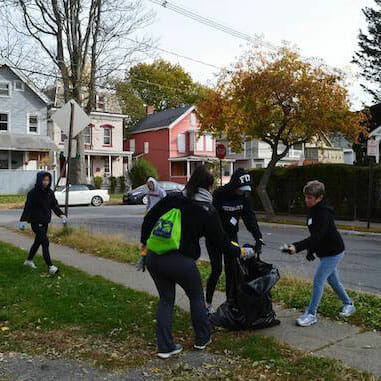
[(21, 225)]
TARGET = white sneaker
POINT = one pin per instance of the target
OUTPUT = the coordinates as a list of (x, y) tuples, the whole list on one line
[(203, 346), (167, 355), (53, 270), (306, 320), (348, 310), (210, 309), (30, 264)]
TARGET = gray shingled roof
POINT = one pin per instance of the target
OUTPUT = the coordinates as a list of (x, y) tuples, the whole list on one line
[(160, 119), (23, 142)]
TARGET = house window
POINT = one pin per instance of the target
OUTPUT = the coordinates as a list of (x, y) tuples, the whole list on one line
[(181, 142), (132, 145), (107, 166), (5, 89), (146, 147), (200, 144), (100, 102), (4, 160), (107, 136), (4, 122), (87, 135), (63, 137), (19, 85), (209, 143), (33, 124), (193, 120)]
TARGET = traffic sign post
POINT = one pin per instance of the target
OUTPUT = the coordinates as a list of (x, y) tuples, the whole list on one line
[(220, 153), (71, 119), (372, 152)]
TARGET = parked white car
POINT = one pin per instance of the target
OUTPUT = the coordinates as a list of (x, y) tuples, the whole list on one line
[(82, 194)]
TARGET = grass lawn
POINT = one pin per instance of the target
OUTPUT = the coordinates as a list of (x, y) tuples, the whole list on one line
[(115, 199), (12, 201), (79, 316), (292, 292)]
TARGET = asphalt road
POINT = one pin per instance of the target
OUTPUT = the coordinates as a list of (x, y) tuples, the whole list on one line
[(360, 270)]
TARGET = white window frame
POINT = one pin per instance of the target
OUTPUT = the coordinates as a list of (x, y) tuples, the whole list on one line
[(9, 89), (15, 85), (62, 141), (90, 134), (97, 102), (181, 143), (28, 115), (104, 136), (146, 147), (132, 145), (209, 138), (8, 122), (106, 162)]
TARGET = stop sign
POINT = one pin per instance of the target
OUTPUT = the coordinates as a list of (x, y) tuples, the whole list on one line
[(220, 151)]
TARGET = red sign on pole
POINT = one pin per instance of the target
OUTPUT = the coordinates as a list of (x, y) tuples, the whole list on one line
[(221, 151)]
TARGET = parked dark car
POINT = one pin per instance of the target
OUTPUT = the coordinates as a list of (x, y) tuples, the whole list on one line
[(139, 194)]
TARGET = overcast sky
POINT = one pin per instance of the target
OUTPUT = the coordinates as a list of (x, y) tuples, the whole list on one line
[(322, 28)]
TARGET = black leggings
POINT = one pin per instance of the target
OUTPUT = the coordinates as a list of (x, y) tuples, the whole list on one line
[(215, 257), (167, 270), (41, 239)]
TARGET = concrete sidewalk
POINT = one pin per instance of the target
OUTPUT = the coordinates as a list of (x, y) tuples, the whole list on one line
[(336, 340)]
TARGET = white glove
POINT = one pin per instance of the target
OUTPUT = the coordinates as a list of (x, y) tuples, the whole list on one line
[(21, 225), (63, 219), (247, 253), (288, 249)]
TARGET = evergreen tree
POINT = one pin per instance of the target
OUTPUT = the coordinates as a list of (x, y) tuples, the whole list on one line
[(368, 57)]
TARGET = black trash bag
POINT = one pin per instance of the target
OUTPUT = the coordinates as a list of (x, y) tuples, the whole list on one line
[(252, 306)]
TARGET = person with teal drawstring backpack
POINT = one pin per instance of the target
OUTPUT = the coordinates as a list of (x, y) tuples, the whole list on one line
[(170, 237)]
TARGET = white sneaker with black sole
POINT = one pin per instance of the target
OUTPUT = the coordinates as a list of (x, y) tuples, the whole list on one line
[(306, 320), (203, 346), (30, 264), (53, 270), (167, 355)]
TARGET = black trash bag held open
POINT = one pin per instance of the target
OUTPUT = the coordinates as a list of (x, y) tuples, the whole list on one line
[(252, 307)]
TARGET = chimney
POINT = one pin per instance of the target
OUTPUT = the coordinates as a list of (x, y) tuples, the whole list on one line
[(150, 110)]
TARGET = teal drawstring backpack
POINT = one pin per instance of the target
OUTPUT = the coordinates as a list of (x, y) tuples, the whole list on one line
[(166, 234)]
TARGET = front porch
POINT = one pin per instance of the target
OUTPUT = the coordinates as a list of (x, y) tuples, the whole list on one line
[(181, 168)]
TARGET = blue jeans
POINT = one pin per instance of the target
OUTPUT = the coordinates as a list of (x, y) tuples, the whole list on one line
[(327, 271)]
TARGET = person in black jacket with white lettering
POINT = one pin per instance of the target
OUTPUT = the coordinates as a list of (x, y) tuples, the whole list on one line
[(198, 219), (327, 244), (232, 205), (38, 209)]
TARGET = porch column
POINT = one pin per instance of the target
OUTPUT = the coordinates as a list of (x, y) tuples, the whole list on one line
[(9, 159), (110, 164), (88, 168), (231, 168), (188, 169)]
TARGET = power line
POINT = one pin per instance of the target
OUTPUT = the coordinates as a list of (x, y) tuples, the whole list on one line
[(209, 22)]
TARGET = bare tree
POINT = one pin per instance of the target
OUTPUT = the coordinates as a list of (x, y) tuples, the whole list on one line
[(87, 40)]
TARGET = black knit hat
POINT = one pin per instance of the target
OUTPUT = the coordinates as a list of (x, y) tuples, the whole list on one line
[(240, 179)]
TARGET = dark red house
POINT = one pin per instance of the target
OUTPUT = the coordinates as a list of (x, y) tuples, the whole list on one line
[(169, 140)]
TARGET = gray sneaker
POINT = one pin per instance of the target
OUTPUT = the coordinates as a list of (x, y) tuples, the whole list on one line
[(166, 355), (348, 310), (306, 320)]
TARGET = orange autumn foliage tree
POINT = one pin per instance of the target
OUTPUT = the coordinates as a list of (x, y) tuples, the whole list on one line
[(281, 99)]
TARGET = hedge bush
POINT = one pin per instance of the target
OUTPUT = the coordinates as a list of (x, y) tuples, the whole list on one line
[(141, 169), (113, 184), (98, 181), (122, 184), (346, 187)]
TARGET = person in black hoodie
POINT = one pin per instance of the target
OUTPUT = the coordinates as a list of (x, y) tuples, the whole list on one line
[(326, 242), (38, 212), (198, 219), (232, 205)]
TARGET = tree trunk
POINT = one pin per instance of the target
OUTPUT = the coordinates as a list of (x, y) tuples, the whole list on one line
[(262, 189)]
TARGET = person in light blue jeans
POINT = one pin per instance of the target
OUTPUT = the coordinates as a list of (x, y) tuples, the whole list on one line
[(326, 242)]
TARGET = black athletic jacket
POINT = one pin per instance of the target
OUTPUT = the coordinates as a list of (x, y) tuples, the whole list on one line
[(198, 219), (232, 207), (40, 203), (325, 240)]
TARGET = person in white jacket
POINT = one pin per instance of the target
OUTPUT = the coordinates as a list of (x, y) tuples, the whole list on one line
[(155, 193)]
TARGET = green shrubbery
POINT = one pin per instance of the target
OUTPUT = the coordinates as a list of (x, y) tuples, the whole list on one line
[(141, 169), (346, 186)]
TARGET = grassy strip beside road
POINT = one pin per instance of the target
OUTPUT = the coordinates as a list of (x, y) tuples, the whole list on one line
[(292, 292), (12, 201), (79, 316)]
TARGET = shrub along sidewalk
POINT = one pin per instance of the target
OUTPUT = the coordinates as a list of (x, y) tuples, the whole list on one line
[(77, 316)]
